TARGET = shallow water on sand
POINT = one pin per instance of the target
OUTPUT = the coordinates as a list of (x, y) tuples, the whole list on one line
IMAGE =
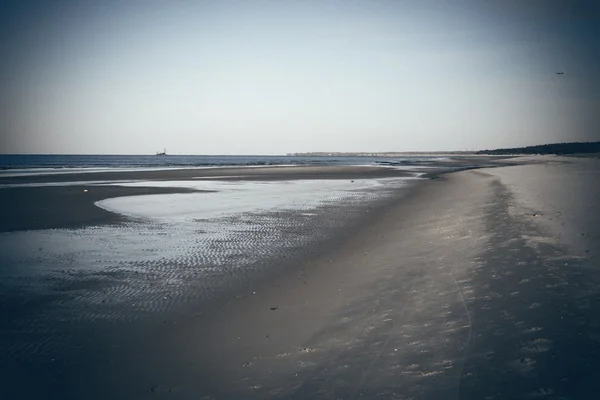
[(221, 199), (177, 252)]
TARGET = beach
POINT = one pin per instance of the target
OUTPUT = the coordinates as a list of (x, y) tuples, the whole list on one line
[(467, 280)]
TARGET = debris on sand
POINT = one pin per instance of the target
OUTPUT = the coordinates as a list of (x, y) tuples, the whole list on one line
[(274, 308)]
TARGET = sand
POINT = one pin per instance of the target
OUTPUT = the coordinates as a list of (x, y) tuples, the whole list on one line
[(40, 202), (66, 200), (462, 288), (67, 207), (251, 173)]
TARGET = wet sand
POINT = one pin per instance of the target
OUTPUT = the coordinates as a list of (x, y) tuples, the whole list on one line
[(444, 297), (473, 285), (51, 206), (64, 207), (33, 202), (263, 173), (250, 173)]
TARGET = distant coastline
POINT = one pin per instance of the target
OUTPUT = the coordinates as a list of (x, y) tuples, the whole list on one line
[(381, 154), (570, 148), (567, 148)]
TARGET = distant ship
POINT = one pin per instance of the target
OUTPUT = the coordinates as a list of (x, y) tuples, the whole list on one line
[(163, 153)]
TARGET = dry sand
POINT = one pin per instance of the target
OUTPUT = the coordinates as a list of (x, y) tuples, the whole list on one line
[(464, 289)]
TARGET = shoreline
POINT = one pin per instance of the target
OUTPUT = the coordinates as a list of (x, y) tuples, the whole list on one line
[(455, 303), (300, 171), (51, 206), (245, 172), (43, 207), (453, 290)]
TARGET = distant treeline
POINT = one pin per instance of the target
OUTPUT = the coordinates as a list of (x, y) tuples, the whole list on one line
[(555, 148)]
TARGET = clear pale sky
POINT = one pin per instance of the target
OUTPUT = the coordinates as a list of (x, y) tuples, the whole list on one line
[(271, 77)]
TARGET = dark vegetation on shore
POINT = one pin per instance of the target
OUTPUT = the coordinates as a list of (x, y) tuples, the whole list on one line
[(554, 148)]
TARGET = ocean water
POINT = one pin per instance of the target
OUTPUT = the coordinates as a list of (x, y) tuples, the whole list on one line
[(56, 161)]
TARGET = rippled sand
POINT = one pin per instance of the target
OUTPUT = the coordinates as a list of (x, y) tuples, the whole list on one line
[(478, 284)]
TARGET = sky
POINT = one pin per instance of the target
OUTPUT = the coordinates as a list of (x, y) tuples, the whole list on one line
[(275, 77)]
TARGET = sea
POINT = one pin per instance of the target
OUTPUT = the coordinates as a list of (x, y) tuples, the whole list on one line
[(58, 161)]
